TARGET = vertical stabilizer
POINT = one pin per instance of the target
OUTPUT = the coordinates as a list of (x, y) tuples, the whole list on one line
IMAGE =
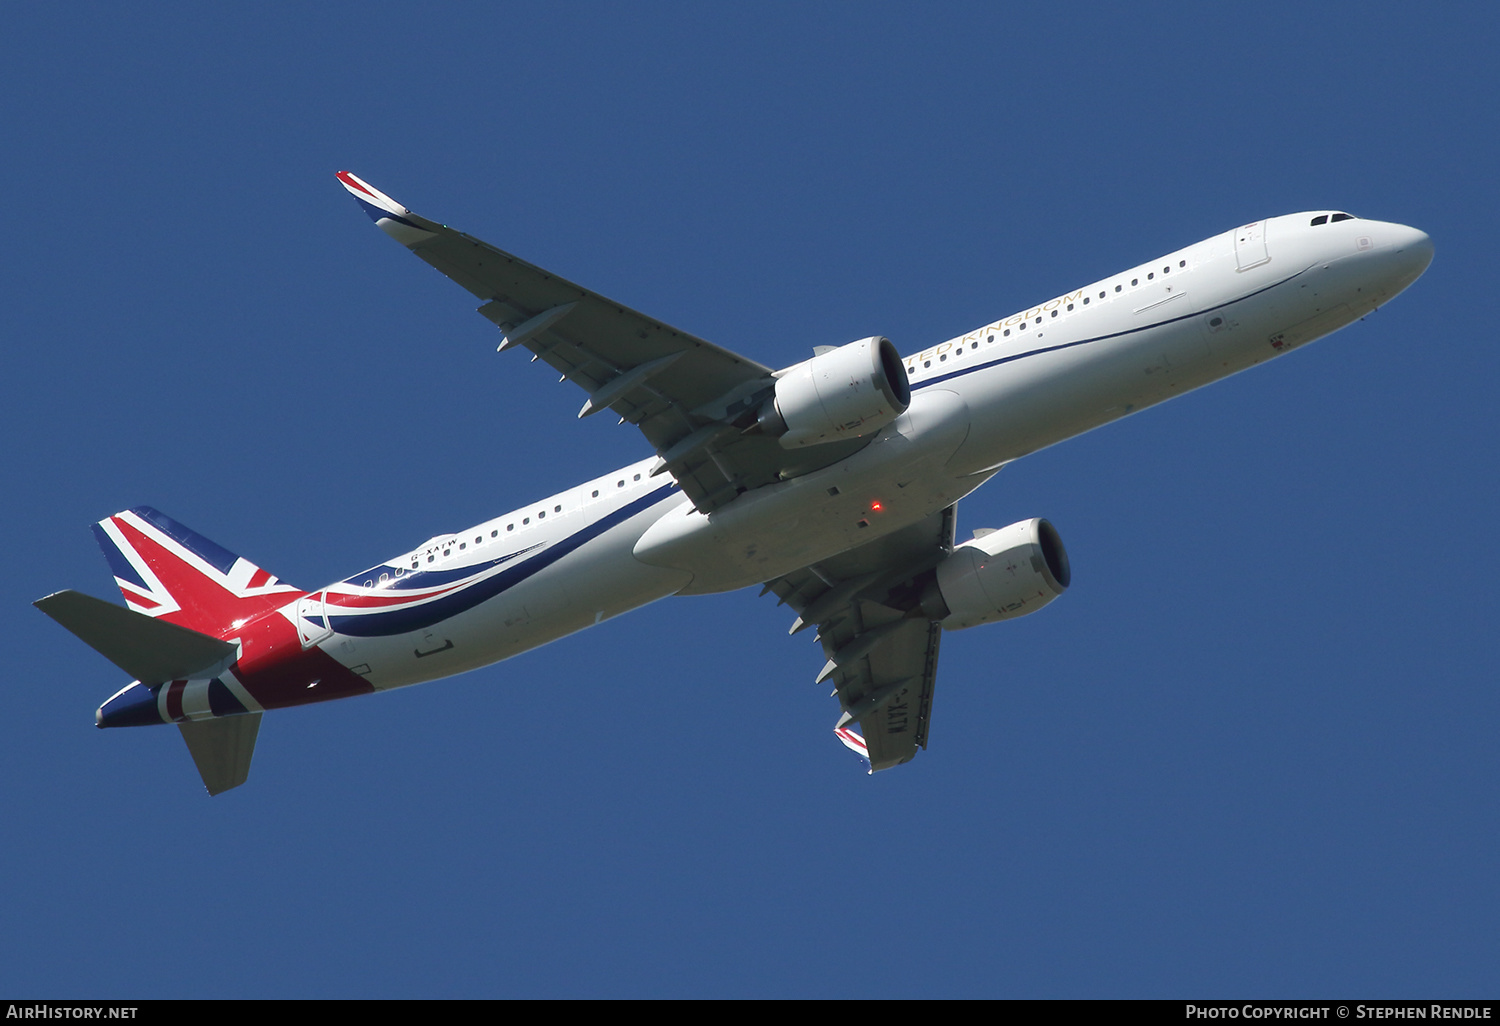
[(166, 570)]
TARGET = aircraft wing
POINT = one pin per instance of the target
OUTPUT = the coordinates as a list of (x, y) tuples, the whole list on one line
[(691, 399), (882, 651)]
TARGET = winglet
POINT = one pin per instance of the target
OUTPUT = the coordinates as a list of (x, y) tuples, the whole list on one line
[(391, 217), (855, 744)]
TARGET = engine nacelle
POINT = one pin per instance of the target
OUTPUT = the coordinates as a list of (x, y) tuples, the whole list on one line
[(846, 393), (1000, 576)]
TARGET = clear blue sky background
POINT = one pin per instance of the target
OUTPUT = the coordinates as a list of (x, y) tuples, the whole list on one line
[(1252, 752)]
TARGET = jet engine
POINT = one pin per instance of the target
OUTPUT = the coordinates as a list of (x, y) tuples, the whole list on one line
[(844, 393), (999, 575)]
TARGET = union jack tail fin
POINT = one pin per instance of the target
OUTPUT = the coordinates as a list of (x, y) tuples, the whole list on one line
[(167, 570)]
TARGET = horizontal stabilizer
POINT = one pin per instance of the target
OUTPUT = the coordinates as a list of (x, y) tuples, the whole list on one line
[(150, 650), (221, 749)]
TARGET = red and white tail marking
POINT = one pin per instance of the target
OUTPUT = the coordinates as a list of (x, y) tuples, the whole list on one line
[(166, 570)]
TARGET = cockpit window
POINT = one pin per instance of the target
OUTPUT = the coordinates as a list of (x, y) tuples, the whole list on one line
[(1320, 219), (1341, 217)]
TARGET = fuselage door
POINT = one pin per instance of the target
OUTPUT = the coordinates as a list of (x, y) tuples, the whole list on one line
[(312, 620), (1250, 246)]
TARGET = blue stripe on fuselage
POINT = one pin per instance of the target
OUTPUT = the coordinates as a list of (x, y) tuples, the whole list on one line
[(425, 614), (415, 580), (971, 368)]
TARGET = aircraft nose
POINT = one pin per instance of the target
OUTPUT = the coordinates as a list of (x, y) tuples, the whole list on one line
[(1398, 256), (1413, 250)]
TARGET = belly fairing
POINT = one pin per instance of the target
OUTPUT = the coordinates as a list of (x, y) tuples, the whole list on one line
[(899, 478)]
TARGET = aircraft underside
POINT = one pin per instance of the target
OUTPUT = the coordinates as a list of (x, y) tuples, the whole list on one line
[(833, 484)]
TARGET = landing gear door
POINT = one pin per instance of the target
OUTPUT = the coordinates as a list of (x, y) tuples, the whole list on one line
[(312, 620), (1250, 246)]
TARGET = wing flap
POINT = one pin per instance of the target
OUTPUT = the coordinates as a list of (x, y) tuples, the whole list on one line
[(882, 650)]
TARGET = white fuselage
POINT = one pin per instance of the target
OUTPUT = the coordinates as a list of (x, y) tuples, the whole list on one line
[(990, 396)]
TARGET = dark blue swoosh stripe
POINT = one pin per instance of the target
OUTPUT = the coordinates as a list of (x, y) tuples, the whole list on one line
[(416, 580), (415, 618)]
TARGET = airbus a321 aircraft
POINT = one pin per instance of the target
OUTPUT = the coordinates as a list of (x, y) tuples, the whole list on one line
[(833, 482)]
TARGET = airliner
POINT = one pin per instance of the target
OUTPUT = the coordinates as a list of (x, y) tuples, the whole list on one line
[(833, 484)]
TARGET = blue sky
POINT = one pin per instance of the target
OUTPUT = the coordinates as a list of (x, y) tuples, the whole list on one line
[(1251, 752)]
